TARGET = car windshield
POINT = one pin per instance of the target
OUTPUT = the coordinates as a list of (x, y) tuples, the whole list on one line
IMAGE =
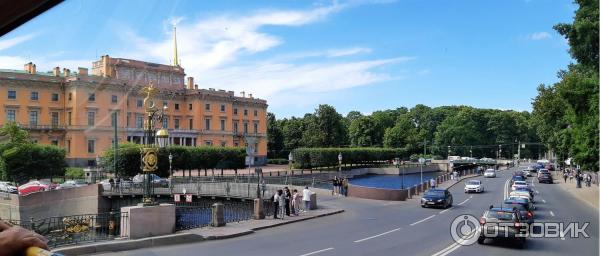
[(518, 182), (499, 215), (489, 170), (436, 193), (517, 178), (516, 204), (473, 182)]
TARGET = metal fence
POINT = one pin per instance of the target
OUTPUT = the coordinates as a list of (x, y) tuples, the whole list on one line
[(199, 214), (75, 229)]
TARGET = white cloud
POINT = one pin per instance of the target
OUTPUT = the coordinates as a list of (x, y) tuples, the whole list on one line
[(8, 43), (540, 36), (348, 51), (12, 62)]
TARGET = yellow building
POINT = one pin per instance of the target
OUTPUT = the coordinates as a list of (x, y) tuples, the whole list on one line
[(74, 109)]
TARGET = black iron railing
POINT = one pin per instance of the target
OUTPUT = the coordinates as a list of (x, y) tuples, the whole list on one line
[(75, 229)]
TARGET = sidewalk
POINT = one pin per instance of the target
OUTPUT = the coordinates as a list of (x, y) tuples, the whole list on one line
[(588, 195), (197, 235)]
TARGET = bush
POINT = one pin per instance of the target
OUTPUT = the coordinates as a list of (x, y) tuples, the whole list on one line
[(277, 161), (184, 158), (27, 161), (306, 158), (74, 173)]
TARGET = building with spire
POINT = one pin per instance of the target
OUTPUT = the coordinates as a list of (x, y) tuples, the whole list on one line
[(73, 109)]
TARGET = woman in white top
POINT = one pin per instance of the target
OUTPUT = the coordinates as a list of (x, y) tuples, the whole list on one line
[(276, 198), (306, 198)]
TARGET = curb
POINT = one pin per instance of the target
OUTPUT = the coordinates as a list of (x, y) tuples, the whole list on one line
[(463, 178), (172, 239)]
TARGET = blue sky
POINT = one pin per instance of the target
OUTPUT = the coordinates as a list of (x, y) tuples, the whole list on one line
[(363, 55)]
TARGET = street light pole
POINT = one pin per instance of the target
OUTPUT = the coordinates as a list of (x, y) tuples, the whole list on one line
[(171, 170), (340, 163)]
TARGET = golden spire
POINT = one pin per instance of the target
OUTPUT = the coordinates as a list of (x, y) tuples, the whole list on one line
[(176, 59)]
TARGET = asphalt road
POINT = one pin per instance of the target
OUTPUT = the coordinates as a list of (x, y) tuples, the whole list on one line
[(370, 227)]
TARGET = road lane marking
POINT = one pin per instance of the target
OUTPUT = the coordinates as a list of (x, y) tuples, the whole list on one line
[(506, 184), (552, 213), (319, 251), (461, 203), (453, 246), (543, 201), (382, 234), (422, 220), (445, 210)]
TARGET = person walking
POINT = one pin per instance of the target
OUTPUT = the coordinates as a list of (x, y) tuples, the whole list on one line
[(571, 174), (565, 175), (345, 186), (111, 182), (432, 183), (334, 183), (281, 203), (306, 198), (588, 179)]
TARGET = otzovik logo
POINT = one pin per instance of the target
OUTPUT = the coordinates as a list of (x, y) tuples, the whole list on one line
[(465, 229)]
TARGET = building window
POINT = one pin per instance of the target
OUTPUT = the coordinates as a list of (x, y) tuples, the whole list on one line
[(176, 106), (54, 118), (11, 115), (207, 106), (139, 103), (69, 118), (70, 96), (34, 96), (176, 123), (190, 106), (114, 99), (222, 124), (91, 147), (91, 97), (165, 123), (139, 121), (33, 118), (236, 144), (208, 142), (191, 121), (235, 127), (223, 143), (207, 124), (255, 127), (222, 108), (255, 112), (54, 142), (55, 97), (12, 95), (235, 111), (255, 149), (245, 112), (245, 127), (68, 146), (165, 104), (91, 118)]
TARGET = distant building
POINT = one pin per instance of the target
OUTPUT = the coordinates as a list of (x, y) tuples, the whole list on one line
[(74, 110)]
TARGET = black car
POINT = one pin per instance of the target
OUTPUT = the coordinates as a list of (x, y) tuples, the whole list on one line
[(522, 205), (502, 223), (520, 173), (436, 198), (545, 178)]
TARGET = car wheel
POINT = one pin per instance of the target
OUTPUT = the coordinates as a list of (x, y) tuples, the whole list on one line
[(422, 206), (521, 243), (481, 240)]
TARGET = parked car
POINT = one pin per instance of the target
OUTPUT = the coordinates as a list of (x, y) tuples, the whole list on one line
[(35, 186), (72, 184), (474, 186), (489, 173), (502, 223), (125, 183), (436, 198), (7, 187), (138, 180), (545, 178)]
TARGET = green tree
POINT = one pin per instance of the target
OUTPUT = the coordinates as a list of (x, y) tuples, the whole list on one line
[(364, 132), (325, 128), (274, 134)]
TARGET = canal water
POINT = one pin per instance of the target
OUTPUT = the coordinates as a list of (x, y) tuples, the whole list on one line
[(392, 181)]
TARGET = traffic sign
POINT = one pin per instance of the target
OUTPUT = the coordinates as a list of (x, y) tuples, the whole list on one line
[(177, 198), (188, 198), (421, 160)]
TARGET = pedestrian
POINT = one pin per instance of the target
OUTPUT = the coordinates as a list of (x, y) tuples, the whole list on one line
[(282, 207), (111, 182), (432, 183), (286, 197), (588, 179), (118, 183), (571, 176), (334, 183), (296, 199), (565, 175), (276, 197), (306, 198), (345, 186)]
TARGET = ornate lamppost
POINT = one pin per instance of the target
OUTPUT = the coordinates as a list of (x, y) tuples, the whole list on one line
[(153, 140)]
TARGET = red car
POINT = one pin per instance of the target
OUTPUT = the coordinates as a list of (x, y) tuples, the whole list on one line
[(35, 186)]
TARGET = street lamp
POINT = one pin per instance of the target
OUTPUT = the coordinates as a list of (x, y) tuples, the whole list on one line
[(290, 160), (171, 171), (153, 138), (340, 162), (421, 161), (397, 162)]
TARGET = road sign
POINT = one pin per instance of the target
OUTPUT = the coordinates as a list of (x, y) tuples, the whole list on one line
[(188, 198), (421, 160), (177, 198)]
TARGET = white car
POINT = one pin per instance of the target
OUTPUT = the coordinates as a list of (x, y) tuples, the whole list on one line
[(521, 194), (527, 173), (489, 173), (7, 187), (519, 184), (72, 184), (474, 186)]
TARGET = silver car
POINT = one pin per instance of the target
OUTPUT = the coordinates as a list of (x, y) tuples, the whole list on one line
[(7, 187)]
